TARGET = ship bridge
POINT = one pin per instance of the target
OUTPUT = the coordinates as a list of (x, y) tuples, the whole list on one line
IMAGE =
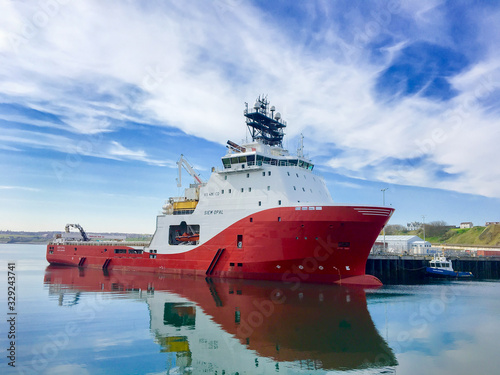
[(253, 160), (266, 128)]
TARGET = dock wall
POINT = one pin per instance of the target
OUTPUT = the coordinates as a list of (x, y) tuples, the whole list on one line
[(392, 269)]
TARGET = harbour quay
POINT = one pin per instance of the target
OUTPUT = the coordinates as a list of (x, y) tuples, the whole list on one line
[(398, 268)]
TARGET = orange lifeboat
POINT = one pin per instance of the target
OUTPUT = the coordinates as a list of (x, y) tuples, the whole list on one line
[(188, 237)]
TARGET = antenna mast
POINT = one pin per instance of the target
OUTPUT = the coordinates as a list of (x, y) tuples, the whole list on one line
[(300, 150), (263, 124)]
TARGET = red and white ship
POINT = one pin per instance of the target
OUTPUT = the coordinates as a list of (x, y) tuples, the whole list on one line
[(264, 215)]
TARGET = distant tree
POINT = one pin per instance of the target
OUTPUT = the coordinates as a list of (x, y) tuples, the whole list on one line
[(436, 229), (395, 229)]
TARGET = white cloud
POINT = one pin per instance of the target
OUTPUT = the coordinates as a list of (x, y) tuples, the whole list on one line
[(24, 188), (92, 145), (192, 67), (68, 369), (120, 152)]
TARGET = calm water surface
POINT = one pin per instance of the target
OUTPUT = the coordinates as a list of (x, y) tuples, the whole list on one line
[(72, 321)]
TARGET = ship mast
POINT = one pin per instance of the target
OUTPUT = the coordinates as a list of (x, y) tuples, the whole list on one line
[(300, 150), (263, 124)]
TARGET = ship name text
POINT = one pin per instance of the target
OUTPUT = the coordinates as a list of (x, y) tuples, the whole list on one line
[(214, 212)]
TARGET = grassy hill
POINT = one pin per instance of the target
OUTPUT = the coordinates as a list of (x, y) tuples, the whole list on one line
[(26, 237), (44, 237), (487, 236)]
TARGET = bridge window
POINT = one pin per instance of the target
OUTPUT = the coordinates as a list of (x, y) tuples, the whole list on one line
[(120, 251)]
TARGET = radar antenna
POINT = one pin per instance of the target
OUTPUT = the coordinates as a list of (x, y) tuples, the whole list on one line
[(263, 124)]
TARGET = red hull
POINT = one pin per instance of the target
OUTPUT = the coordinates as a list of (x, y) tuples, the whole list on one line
[(330, 245)]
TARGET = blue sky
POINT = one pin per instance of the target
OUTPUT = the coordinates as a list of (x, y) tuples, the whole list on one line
[(99, 99)]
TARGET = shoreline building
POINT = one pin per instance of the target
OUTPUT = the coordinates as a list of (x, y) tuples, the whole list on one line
[(402, 244)]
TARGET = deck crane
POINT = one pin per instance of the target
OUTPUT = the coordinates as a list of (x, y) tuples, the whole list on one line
[(184, 163), (79, 227)]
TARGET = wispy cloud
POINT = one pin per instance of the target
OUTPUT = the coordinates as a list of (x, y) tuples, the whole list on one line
[(121, 152), (23, 188), (192, 67)]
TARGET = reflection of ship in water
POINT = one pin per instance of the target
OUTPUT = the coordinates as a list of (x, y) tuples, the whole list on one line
[(238, 326)]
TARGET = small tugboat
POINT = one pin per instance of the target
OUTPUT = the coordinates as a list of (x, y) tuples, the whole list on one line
[(441, 267)]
